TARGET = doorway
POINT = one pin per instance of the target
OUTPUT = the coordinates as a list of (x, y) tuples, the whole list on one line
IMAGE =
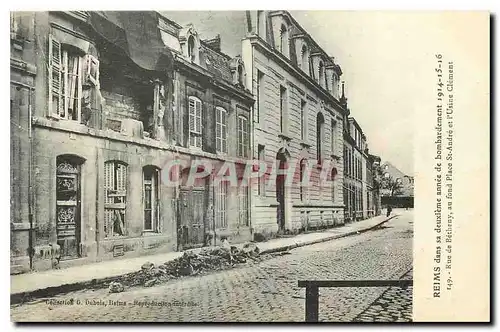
[(68, 206)]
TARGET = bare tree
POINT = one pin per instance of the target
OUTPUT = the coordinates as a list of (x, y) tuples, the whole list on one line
[(395, 186)]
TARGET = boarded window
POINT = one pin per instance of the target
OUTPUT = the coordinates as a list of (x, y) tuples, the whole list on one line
[(243, 137), (115, 198), (221, 129), (195, 126)]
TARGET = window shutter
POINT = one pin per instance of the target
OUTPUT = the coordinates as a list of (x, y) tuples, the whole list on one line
[(121, 178), (108, 180), (191, 115), (198, 117), (92, 72), (55, 83)]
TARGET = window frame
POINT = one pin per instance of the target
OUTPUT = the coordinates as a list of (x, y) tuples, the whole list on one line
[(219, 126), (221, 204), (59, 80), (243, 136), (196, 133), (155, 198), (110, 203)]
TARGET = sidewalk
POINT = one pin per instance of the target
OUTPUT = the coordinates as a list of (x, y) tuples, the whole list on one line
[(52, 282)]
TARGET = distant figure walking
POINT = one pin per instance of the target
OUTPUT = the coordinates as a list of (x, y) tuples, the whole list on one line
[(389, 210)]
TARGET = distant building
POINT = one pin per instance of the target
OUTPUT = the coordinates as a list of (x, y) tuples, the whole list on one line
[(404, 195)]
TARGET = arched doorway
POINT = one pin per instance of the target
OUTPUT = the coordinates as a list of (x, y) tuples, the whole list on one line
[(281, 161)]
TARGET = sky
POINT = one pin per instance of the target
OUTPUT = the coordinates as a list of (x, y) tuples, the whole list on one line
[(375, 51)]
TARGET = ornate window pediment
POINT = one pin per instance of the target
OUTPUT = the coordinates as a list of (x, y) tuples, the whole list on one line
[(190, 43)]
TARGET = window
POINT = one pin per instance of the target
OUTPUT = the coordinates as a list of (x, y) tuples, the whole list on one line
[(151, 199), (320, 124), (221, 129), (243, 137), (191, 49), (259, 94), (283, 42), (303, 164), (243, 206), (303, 120), (321, 74), (333, 137), (221, 205), (283, 108), (304, 60), (262, 182), (65, 81), (333, 178), (195, 115), (115, 198)]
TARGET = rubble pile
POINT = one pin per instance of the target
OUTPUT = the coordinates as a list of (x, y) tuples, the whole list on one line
[(191, 263)]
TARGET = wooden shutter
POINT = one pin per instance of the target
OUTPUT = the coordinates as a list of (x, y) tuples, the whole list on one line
[(55, 84), (218, 129), (92, 69)]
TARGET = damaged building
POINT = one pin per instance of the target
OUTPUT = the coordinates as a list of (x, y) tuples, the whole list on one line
[(100, 103)]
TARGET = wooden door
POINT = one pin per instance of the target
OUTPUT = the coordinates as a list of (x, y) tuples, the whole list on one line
[(68, 208), (191, 230)]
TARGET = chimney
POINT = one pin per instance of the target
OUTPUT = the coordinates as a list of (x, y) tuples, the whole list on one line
[(214, 43)]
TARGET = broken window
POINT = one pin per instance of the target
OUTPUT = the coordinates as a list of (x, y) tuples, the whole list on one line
[(151, 199), (195, 115), (221, 129), (65, 81), (243, 137), (115, 198)]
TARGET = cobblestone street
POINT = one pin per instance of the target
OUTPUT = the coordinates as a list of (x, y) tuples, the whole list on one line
[(263, 292)]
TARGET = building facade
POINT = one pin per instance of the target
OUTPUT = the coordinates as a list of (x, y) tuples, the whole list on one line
[(297, 125), (102, 105)]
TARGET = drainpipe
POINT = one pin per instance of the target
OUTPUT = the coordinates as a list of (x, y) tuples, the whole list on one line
[(30, 183)]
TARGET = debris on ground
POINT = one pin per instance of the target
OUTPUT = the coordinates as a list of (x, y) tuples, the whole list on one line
[(116, 287), (191, 263)]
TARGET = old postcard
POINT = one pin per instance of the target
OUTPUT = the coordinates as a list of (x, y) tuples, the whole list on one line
[(249, 166)]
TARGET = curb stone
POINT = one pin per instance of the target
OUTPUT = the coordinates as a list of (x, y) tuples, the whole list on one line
[(22, 297), (325, 239)]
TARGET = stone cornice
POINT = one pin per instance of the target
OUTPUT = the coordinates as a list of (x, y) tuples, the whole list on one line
[(285, 63)]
